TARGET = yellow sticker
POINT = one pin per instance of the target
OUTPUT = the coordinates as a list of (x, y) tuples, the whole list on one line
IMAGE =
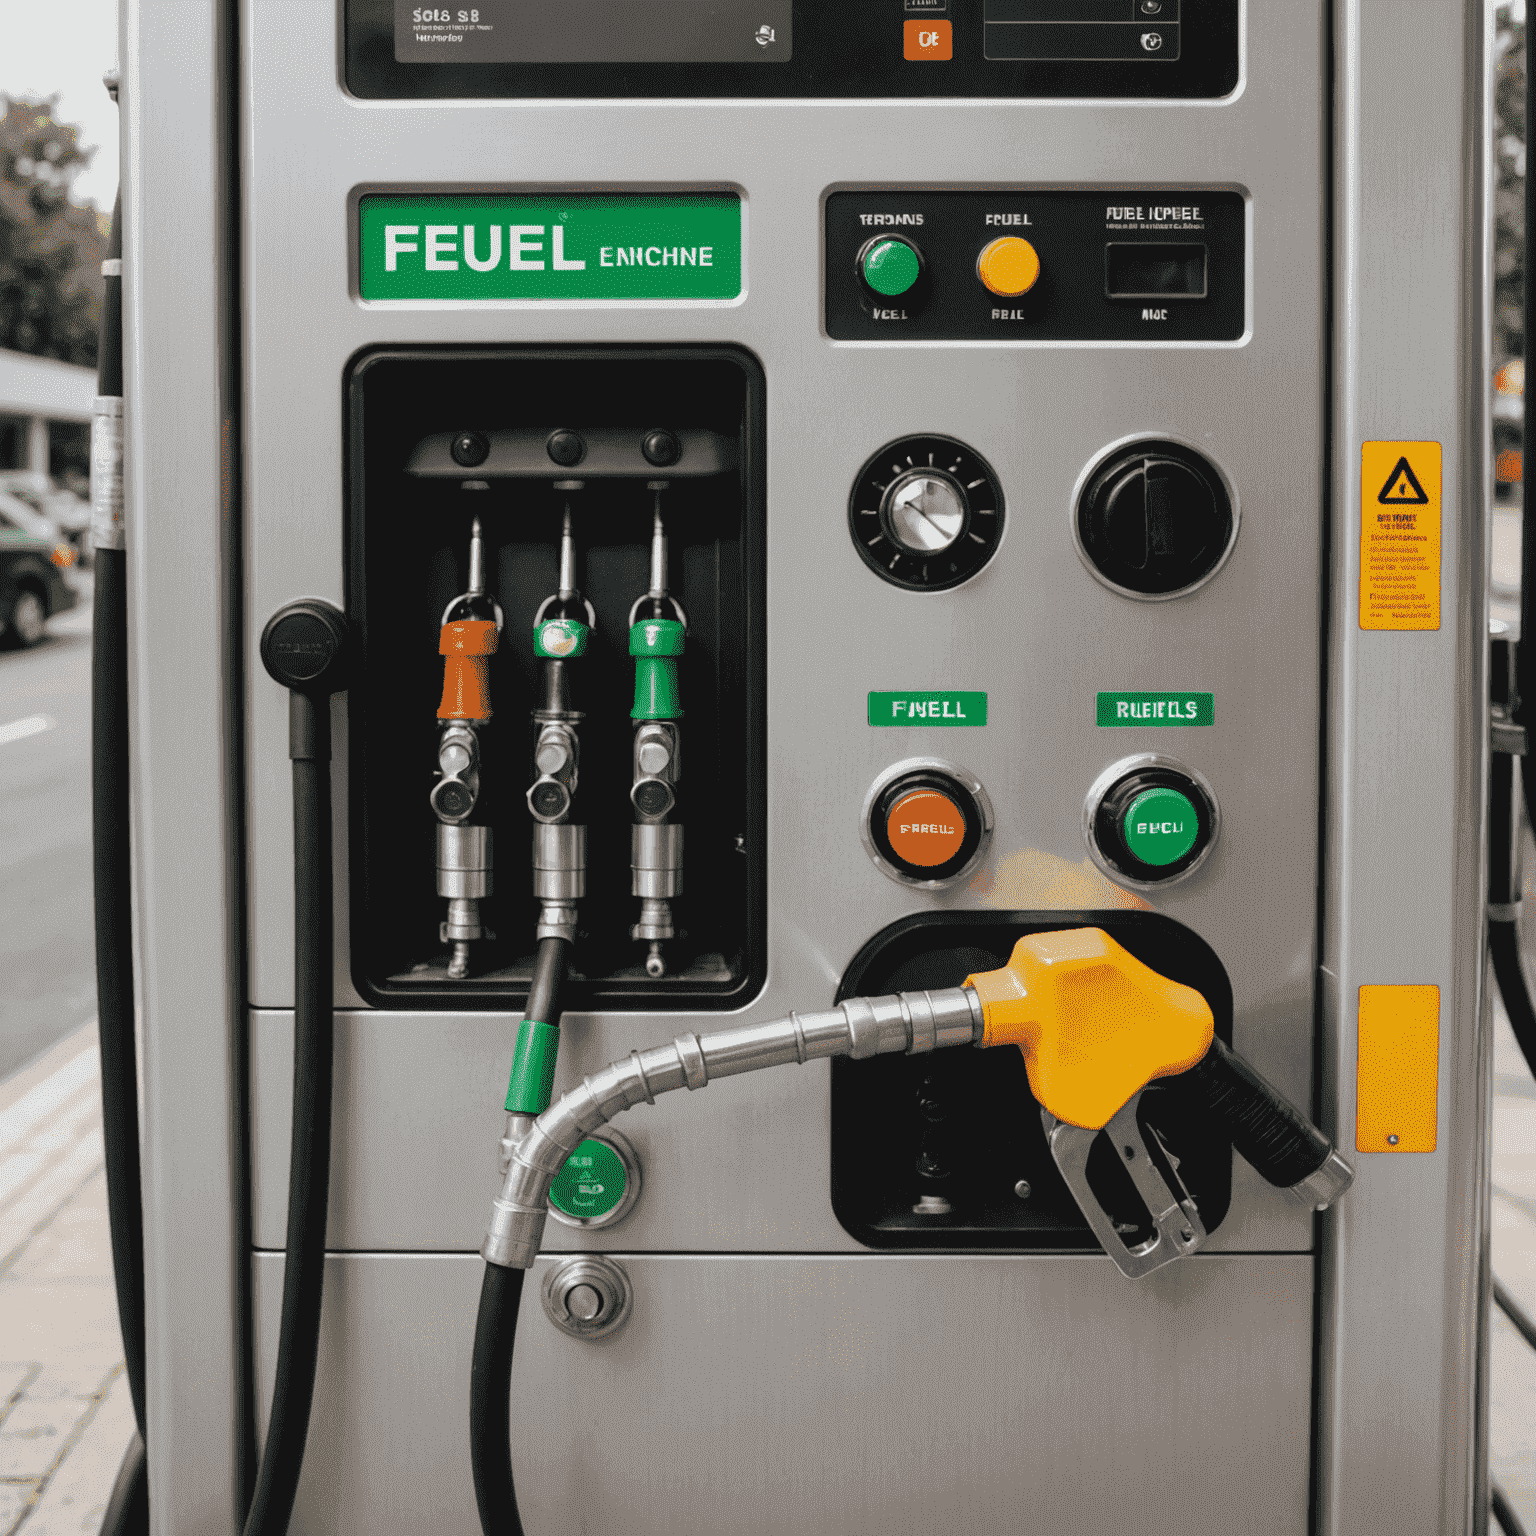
[(1400, 536), (1397, 1082)]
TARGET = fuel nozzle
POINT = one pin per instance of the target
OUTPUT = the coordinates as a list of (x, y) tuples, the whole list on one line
[(471, 627), (658, 628), (561, 630), (1097, 1028)]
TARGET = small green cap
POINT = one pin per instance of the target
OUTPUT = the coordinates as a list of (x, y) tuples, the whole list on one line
[(533, 1068), (891, 267), (1161, 826), (560, 638), (590, 1183), (656, 637)]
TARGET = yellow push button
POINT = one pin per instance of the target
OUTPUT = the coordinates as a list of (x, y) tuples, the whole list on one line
[(1008, 267)]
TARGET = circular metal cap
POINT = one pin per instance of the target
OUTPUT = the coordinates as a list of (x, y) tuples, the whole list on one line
[(925, 512), (589, 1297)]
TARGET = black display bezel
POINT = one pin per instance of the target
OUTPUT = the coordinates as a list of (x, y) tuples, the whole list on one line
[(839, 51)]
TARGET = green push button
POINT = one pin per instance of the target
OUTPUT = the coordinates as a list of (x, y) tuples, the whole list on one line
[(591, 1183), (891, 267), (1161, 826)]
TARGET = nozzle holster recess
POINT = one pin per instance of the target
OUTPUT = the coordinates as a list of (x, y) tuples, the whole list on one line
[(467, 644)]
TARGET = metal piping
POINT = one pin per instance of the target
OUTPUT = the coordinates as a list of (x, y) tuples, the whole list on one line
[(861, 1027)]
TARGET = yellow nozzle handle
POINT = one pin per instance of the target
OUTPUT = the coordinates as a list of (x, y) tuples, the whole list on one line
[(1095, 1024)]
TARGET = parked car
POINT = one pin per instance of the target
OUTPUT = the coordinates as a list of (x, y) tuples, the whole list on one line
[(72, 513), (34, 555)]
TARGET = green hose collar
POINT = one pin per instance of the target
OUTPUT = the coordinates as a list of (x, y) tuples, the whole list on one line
[(533, 1068)]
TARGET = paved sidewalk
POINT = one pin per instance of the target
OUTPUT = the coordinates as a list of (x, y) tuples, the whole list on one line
[(65, 1414)]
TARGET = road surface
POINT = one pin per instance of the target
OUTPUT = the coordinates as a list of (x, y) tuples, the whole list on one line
[(47, 950)]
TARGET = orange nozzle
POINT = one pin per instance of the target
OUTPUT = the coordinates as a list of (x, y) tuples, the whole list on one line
[(468, 644), (1095, 1024)]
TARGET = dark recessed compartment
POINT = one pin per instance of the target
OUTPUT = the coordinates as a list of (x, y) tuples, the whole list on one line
[(930, 1151), (412, 499), (1152, 270)]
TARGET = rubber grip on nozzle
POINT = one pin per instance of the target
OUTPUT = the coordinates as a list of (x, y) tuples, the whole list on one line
[(468, 645), (1283, 1146)]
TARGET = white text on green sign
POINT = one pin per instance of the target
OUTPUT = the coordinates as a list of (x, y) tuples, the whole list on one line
[(486, 248), (943, 707), (1142, 708)]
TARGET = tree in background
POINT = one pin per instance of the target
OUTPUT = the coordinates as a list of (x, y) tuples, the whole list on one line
[(51, 249)]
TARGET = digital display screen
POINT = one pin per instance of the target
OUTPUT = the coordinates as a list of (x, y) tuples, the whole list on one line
[(595, 32)]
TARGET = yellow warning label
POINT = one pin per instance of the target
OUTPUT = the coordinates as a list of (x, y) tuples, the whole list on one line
[(1400, 536)]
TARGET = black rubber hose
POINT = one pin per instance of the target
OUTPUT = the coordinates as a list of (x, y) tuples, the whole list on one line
[(549, 969), (1509, 1522), (113, 889), (490, 1396), (1509, 972), (1517, 1314), (501, 1292), (282, 1455), (127, 1512)]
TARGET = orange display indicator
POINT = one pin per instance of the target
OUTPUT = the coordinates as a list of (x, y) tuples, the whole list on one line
[(925, 828), (1397, 1071), (930, 40)]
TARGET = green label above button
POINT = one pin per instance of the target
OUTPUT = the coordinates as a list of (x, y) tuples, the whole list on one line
[(1161, 827), (1157, 709), (891, 267), (591, 1182), (928, 707), (582, 246)]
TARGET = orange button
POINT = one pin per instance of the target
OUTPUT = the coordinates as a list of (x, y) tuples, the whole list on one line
[(926, 40), (1008, 267), (925, 828)]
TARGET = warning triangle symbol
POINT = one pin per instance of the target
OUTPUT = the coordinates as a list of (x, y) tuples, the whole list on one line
[(1402, 488)]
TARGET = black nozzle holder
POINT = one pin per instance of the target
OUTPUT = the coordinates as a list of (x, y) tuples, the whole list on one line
[(305, 648)]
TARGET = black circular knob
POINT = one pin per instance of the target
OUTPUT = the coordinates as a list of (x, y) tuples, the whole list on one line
[(661, 448), (470, 449), (304, 647), (926, 825), (1155, 518), (926, 513), (1153, 823), (566, 448)]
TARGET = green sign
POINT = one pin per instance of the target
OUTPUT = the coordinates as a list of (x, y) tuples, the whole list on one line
[(928, 706), (587, 246), (1157, 709)]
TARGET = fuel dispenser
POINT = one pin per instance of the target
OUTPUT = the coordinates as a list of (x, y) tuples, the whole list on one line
[(940, 548)]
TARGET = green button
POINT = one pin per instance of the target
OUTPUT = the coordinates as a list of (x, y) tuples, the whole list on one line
[(891, 267), (1161, 826), (591, 1183)]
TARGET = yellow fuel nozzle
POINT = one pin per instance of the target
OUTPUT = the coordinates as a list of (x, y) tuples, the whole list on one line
[(1095, 1024)]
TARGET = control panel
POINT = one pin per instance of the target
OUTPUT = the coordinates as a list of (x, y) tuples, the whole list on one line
[(794, 48), (1109, 264)]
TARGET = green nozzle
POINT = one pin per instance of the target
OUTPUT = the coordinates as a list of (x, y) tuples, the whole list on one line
[(656, 644)]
